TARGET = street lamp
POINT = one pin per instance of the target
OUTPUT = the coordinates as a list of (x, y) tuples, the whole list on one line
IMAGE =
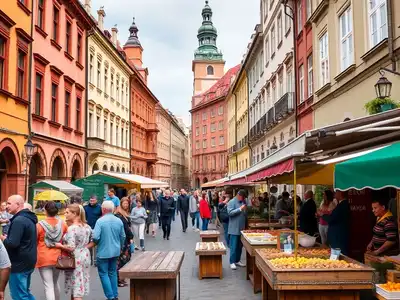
[(29, 148), (383, 87)]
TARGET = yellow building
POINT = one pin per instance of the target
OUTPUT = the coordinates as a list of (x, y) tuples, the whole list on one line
[(15, 50), (231, 105)]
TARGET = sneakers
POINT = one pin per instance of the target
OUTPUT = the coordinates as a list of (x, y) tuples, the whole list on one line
[(233, 267), (240, 264), (197, 230)]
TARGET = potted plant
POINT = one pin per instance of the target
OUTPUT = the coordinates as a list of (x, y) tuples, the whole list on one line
[(378, 105)]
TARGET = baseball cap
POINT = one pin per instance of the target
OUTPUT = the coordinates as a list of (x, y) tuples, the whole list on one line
[(242, 193)]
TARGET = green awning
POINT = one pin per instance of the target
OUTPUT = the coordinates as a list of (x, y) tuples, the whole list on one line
[(376, 170)]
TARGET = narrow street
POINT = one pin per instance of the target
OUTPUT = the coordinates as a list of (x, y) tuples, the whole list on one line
[(233, 286)]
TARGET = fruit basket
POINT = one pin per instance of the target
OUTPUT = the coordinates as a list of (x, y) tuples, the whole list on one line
[(389, 290), (261, 238)]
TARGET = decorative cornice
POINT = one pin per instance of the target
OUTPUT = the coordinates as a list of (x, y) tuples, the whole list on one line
[(40, 59), (69, 79), (6, 19), (22, 33), (56, 70)]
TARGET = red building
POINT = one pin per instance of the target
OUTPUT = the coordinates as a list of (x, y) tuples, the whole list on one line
[(209, 131), (304, 56)]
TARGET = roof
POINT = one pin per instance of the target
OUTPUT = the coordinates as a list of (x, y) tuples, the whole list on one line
[(61, 185), (145, 182), (220, 88)]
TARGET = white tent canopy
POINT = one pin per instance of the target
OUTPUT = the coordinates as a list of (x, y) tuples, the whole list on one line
[(145, 182)]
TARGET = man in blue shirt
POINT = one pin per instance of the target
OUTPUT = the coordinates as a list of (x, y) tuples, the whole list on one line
[(109, 235), (111, 197)]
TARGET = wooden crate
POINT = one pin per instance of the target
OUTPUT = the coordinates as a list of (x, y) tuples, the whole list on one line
[(210, 262), (210, 236)]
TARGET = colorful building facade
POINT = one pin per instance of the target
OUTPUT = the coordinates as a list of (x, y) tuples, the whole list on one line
[(58, 84), (144, 128), (163, 165), (108, 126), (15, 50)]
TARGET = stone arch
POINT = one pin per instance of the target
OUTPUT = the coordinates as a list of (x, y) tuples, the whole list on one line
[(9, 147), (76, 167), (205, 180), (8, 170), (38, 165), (118, 169), (58, 165), (210, 70), (112, 168), (123, 169), (95, 167), (105, 168)]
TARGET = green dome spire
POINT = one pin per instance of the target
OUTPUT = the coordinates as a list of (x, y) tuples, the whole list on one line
[(207, 36)]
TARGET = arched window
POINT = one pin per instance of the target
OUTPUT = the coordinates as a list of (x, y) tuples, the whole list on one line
[(210, 70)]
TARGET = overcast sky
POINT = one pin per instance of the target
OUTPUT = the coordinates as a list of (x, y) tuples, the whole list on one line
[(167, 32)]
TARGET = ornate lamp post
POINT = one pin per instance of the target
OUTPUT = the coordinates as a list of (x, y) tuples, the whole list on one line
[(383, 87), (29, 148)]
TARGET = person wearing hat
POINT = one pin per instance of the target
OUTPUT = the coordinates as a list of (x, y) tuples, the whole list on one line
[(237, 210)]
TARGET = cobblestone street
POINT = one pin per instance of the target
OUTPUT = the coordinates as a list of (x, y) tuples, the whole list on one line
[(233, 286)]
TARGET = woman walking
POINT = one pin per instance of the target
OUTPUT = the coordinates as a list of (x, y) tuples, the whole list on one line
[(49, 232), (205, 212), (77, 241), (125, 256), (138, 218), (153, 210)]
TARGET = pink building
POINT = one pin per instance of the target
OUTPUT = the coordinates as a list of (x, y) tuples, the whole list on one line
[(209, 131), (58, 103)]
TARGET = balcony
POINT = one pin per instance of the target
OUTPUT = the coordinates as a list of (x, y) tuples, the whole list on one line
[(152, 127), (263, 122), (95, 144), (270, 117), (284, 106)]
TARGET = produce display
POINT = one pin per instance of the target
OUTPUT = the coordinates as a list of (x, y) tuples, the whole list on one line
[(261, 237), (389, 290), (271, 253), (311, 263), (210, 246), (251, 231), (391, 286)]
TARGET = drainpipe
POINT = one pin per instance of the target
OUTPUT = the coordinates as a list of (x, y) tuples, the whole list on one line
[(296, 84), (392, 55)]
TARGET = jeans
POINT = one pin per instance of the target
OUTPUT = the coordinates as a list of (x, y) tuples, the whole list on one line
[(184, 219), (204, 224), (107, 268), (166, 226), (20, 285), (323, 231), (49, 277), (196, 217), (235, 248), (226, 234)]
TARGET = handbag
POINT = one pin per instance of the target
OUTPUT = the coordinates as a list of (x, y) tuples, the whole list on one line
[(66, 262)]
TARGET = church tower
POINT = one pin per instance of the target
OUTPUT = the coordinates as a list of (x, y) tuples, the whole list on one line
[(208, 64)]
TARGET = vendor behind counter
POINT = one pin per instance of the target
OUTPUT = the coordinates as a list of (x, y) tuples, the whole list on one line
[(385, 240)]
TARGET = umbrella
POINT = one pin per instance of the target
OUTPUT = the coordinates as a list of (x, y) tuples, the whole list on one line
[(51, 195)]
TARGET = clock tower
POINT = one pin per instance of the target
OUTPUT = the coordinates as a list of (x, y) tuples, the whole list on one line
[(208, 64)]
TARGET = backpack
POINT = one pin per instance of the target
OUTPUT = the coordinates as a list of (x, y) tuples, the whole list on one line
[(223, 214)]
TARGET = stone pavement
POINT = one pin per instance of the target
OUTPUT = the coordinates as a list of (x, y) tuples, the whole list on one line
[(233, 286)]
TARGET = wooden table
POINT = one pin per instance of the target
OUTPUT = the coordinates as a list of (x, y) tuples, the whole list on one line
[(301, 284), (210, 261), (210, 236), (154, 275), (270, 226), (252, 272)]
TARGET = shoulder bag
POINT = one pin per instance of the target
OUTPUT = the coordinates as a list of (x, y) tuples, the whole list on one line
[(66, 262)]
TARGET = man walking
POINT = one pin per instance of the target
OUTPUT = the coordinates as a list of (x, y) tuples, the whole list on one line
[(237, 210), (183, 208), (93, 213), (167, 209), (111, 197), (109, 235), (194, 208), (21, 247)]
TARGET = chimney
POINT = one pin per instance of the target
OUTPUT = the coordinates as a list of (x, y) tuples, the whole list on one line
[(114, 36), (100, 20), (88, 6)]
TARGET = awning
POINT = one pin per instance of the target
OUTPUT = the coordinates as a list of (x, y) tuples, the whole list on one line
[(145, 182), (238, 181), (214, 183), (376, 170), (275, 170)]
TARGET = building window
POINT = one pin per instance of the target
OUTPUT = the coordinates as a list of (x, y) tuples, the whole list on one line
[(221, 140), (40, 15), (105, 80), (78, 114), (91, 68), (213, 142), (67, 108), (324, 59), (267, 53), (117, 136), (79, 48), (265, 8), (3, 61), (346, 39), (301, 83), (98, 126), (204, 116), (213, 127), (310, 75), (197, 131), (212, 113), (220, 110), (122, 94), (299, 16), (68, 37), (220, 125), (111, 134), (210, 70), (39, 94), (197, 145), (279, 21), (105, 130), (288, 23), (112, 85), (54, 97), (273, 45), (56, 20), (280, 88), (21, 81), (309, 8), (90, 124), (99, 74), (204, 144), (117, 89), (204, 129), (377, 21)]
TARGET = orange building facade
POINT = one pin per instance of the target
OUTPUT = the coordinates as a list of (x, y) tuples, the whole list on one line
[(144, 129), (58, 102), (15, 50)]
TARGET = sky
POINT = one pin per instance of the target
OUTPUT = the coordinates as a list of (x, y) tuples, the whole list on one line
[(168, 34)]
